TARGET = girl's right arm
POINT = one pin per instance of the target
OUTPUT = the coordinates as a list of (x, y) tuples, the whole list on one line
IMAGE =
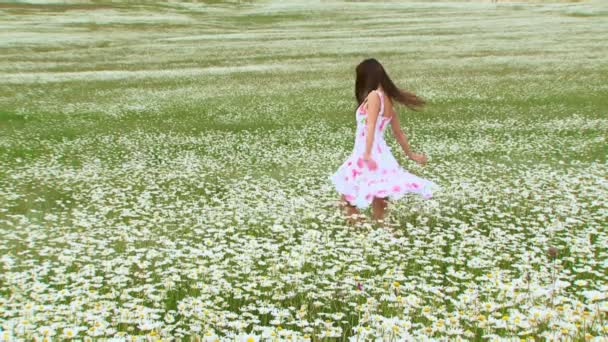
[(402, 139)]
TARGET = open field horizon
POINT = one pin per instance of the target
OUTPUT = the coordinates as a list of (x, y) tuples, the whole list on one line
[(164, 172)]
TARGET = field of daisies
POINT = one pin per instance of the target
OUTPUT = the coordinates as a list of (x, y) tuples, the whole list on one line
[(164, 172)]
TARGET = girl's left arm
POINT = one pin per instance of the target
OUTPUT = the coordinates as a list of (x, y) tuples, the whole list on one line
[(373, 109)]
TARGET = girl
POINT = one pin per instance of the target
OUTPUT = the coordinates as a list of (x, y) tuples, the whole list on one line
[(371, 174)]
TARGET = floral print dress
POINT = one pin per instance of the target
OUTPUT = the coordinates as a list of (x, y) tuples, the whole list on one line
[(359, 184)]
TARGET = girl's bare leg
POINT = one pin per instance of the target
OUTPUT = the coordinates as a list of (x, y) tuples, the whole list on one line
[(379, 205), (352, 214)]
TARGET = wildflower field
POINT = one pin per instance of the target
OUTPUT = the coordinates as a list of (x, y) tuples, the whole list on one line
[(164, 172)]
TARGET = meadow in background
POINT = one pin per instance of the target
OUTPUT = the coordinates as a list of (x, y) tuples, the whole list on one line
[(163, 172)]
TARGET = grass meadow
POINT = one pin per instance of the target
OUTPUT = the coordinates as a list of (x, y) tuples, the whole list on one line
[(164, 172)]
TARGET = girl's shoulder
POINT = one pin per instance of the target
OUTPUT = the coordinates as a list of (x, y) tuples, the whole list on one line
[(373, 95), (378, 95)]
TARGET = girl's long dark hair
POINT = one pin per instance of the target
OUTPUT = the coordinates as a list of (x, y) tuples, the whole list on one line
[(371, 74)]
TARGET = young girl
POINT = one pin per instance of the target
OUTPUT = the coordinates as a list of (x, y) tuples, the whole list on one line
[(371, 174)]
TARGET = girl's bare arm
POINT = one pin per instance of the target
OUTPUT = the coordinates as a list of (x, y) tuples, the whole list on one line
[(402, 140), (373, 109), (400, 136)]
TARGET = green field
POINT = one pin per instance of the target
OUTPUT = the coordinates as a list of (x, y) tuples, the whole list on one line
[(164, 172)]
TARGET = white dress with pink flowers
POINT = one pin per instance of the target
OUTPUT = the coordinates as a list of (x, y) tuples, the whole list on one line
[(359, 184)]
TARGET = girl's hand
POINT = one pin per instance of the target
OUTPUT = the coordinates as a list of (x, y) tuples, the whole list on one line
[(418, 158), (370, 162)]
